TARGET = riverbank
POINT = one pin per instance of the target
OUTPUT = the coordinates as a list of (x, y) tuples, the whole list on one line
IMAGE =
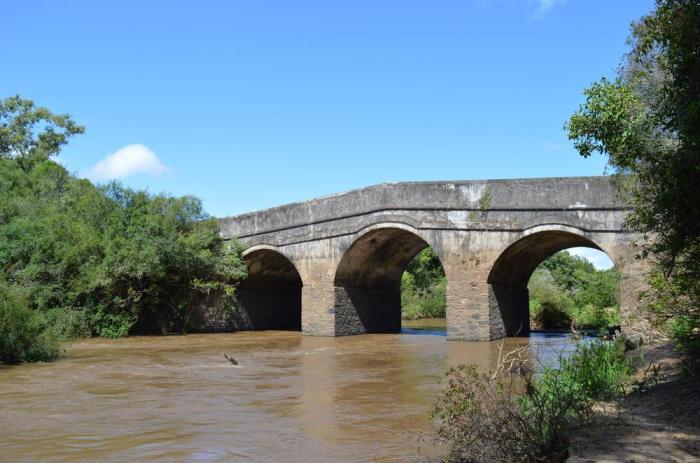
[(658, 422)]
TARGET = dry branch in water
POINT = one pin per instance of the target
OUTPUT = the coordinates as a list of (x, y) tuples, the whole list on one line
[(230, 359)]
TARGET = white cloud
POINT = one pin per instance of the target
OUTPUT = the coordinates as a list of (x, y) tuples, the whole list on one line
[(599, 259), (126, 161)]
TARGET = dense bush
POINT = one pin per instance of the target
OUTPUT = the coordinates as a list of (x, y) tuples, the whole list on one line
[(566, 290), (600, 369), (549, 315), (482, 419), (101, 260), (24, 334), (674, 304), (646, 122), (127, 259), (513, 415), (423, 287), (686, 334)]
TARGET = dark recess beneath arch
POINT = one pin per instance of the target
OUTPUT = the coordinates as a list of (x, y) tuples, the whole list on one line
[(271, 294), (368, 281)]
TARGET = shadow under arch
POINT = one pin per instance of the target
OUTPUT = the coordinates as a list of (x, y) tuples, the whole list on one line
[(368, 279), (509, 276), (270, 296)]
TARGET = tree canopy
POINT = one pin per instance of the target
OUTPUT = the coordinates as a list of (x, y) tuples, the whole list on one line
[(647, 122), (32, 134), (107, 260), (566, 290)]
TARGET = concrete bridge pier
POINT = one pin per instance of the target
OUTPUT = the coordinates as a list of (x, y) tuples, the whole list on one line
[(468, 313), (634, 319), (316, 262)]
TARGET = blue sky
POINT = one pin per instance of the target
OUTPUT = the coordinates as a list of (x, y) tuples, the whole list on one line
[(251, 104)]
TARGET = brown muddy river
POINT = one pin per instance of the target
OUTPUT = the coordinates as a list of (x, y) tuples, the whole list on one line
[(292, 398)]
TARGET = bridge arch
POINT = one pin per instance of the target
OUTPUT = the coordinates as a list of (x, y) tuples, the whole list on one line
[(367, 282), (510, 273), (270, 295)]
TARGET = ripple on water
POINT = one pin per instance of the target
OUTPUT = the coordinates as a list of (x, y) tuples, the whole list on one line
[(292, 398)]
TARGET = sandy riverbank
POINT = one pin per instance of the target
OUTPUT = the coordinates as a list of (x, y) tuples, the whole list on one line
[(660, 423)]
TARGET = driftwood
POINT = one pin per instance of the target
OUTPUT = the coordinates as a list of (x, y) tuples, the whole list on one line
[(230, 359)]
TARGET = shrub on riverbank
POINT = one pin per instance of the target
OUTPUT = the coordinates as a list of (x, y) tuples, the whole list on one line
[(96, 260), (568, 291), (24, 334), (686, 335), (511, 414), (126, 259), (423, 287), (600, 369), (417, 303)]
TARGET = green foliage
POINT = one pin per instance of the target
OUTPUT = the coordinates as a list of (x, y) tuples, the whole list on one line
[(601, 289), (600, 369), (570, 273), (647, 123), (596, 317), (110, 324), (30, 134), (511, 414), (68, 324), (567, 290), (423, 287), (550, 306), (549, 315), (686, 334), (103, 260), (485, 200), (613, 120), (24, 336), (481, 419), (126, 257)]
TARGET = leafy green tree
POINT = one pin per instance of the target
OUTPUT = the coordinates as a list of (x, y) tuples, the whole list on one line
[(647, 122), (24, 336), (423, 287), (426, 268), (103, 260), (569, 272), (566, 290), (601, 289), (32, 134)]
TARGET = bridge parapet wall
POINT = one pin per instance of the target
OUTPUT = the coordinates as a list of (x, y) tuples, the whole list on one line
[(441, 204)]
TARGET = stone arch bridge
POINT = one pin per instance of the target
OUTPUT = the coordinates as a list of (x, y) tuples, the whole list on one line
[(332, 266)]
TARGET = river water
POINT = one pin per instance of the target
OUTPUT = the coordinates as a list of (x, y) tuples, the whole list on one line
[(291, 398)]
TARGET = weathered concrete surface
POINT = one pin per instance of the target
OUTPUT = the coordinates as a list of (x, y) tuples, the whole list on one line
[(349, 250)]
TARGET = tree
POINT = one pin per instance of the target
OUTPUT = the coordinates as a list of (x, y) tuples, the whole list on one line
[(81, 259), (423, 287), (647, 122), (569, 272), (32, 134), (566, 290)]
